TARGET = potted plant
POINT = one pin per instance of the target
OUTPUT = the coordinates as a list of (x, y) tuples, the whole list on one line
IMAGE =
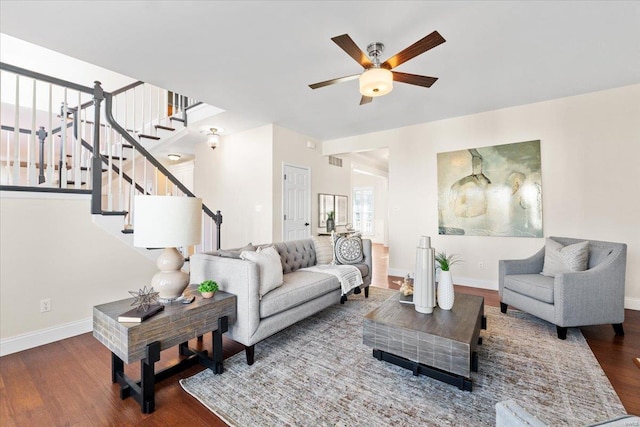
[(208, 288), (331, 221), (445, 282)]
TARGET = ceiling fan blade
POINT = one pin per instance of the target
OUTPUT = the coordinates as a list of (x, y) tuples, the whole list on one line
[(365, 100), (348, 45), (413, 79), (334, 81), (421, 46)]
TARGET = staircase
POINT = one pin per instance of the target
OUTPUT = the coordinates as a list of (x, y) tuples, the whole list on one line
[(59, 136)]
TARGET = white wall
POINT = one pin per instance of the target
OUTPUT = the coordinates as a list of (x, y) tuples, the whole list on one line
[(380, 195), (235, 178), (291, 147), (50, 248), (590, 152)]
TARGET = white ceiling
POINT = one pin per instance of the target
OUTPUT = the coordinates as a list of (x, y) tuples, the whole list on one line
[(255, 59)]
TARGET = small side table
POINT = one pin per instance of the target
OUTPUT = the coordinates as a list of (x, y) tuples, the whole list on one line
[(175, 326)]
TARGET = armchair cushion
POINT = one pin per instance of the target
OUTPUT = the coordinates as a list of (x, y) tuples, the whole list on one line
[(532, 285), (559, 258)]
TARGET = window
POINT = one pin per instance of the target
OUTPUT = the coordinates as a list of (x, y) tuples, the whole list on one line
[(363, 210)]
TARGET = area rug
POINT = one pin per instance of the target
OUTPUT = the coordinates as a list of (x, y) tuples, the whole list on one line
[(318, 373)]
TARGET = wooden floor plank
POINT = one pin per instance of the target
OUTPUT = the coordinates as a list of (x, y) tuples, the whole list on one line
[(29, 380)]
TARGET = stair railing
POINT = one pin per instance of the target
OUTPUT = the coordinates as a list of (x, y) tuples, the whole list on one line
[(75, 146)]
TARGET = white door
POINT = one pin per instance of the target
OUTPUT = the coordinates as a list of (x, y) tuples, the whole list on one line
[(296, 203)]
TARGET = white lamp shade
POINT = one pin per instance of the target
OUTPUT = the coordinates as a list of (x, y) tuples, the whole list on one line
[(166, 221), (376, 82)]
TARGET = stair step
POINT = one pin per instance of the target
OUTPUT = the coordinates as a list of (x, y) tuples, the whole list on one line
[(164, 127), (176, 119), (74, 183), (114, 213), (127, 146), (84, 168), (115, 158), (141, 135), (127, 231)]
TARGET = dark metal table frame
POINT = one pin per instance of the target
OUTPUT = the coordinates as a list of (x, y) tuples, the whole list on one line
[(143, 391), (460, 381)]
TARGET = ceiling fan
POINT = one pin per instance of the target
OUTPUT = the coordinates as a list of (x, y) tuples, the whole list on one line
[(377, 78)]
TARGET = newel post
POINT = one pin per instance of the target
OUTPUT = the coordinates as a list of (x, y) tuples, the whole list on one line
[(96, 161)]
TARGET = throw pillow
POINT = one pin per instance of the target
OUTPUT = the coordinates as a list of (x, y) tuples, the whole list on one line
[(559, 258), (270, 267), (348, 250), (235, 253), (323, 248)]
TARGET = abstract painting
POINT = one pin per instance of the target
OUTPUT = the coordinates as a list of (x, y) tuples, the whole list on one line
[(491, 191)]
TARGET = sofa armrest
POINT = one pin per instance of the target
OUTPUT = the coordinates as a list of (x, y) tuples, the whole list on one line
[(510, 414), (238, 277), (594, 296), (368, 259), (531, 265)]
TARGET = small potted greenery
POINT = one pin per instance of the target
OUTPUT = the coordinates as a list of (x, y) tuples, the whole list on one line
[(446, 261), (208, 288), (445, 291)]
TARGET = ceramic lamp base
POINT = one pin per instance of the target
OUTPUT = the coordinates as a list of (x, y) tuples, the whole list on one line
[(170, 281)]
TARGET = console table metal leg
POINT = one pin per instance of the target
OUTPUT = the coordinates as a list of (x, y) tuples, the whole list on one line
[(223, 326), (148, 378), (117, 367)]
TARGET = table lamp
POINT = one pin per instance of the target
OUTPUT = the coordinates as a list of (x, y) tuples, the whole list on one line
[(167, 222)]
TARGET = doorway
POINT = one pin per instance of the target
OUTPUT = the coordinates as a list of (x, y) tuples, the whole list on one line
[(296, 203)]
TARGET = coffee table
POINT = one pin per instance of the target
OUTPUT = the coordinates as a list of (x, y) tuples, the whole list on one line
[(175, 326), (441, 345)]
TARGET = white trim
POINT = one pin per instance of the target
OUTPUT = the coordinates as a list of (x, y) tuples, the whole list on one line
[(630, 303), (44, 336), (309, 204), (8, 194)]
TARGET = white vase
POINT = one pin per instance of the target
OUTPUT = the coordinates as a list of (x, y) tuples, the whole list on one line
[(424, 286), (445, 291)]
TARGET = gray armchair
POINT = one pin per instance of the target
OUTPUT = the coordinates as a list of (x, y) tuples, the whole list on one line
[(591, 297)]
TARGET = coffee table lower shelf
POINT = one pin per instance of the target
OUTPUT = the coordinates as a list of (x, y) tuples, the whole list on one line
[(463, 383)]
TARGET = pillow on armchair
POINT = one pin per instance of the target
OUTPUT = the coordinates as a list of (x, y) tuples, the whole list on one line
[(559, 258)]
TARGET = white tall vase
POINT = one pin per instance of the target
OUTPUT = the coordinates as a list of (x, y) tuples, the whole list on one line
[(445, 290), (424, 286)]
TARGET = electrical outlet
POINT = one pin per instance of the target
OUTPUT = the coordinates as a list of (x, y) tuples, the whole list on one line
[(481, 265), (45, 305)]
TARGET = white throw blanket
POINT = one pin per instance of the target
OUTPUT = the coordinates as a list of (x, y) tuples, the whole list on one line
[(348, 275)]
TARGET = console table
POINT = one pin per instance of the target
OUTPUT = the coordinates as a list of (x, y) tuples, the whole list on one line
[(175, 326)]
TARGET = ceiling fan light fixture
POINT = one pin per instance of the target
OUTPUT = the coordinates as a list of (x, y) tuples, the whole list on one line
[(376, 82)]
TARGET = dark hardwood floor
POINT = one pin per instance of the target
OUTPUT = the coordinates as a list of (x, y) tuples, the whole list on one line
[(68, 383)]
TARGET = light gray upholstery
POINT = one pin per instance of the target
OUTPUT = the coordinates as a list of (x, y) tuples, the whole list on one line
[(591, 297), (302, 294), (510, 414)]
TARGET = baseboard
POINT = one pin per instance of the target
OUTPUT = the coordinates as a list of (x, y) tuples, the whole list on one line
[(629, 302), (463, 281), (632, 303), (44, 336)]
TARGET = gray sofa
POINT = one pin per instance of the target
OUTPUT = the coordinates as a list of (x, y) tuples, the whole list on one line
[(510, 414), (302, 294), (581, 298)]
